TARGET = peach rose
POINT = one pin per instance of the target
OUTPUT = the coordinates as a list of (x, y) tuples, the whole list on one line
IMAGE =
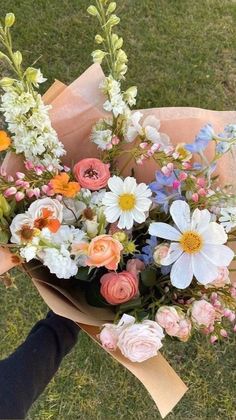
[(104, 251), (134, 267), (168, 318), (203, 313), (92, 173), (117, 288)]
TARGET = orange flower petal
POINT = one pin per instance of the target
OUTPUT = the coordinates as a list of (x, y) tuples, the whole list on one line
[(5, 141)]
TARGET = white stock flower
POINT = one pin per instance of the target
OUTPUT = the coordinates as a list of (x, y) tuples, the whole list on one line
[(59, 262), (149, 130), (53, 205), (140, 341), (96, 198), (68, 235), (228, 218), (29, 252), (115, 104), (197, 247), (127, 202), (102, 138)]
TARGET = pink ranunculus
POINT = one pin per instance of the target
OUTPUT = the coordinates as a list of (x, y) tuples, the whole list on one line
[(139, 342), (168, 318), (104, 251), (134, 267), (203, 313), (117, 288), (222, 278), (184, 331), (109, 337), (92, 173)]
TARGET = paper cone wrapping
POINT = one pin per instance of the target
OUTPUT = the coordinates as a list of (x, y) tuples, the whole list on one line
[(75, 109)]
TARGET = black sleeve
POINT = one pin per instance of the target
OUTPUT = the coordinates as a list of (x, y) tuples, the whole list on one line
[(25, 373)]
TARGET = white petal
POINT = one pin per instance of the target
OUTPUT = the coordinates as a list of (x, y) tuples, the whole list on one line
[(180, 213), (165, 231), (138, 216), (152, 121), (143, 191), (152, 134), (203, 269), (135, 118), (220, 255), (109, 199), (126, 220), (174, 253), (115, 184), (130, 185), (112, 214), (131, 134), (214, 234), (200, 220), (121, 223), (165, 140), (182, 272), (143, 205)]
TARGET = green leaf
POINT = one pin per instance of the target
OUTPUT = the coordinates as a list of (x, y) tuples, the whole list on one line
[(83, 274), (4, 236), (93, 296), (149, 277), (132, 304)]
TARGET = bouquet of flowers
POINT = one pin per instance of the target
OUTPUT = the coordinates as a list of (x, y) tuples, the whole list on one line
[(140, 225)]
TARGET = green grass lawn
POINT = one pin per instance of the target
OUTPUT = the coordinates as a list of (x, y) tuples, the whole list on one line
[(182, 53)]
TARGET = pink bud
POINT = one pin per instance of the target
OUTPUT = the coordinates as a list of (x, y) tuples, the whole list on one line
[(38, 171), (36, 192), (169, 150), (176, 184), (19, 196), (182, 176), (213, 339), (155, 147), (232, 317), (109, 146), (10, 191), (201, 182), (20, 175), (233, 292), (165, 171), (139, 161), (66, 168), (59, 197), (202, 192), (21, 183), (150, 152), (29, 165), (214, 296), (115, 140), (195, 197), (10, 178), (187, 165), (30, 193), (223, 333), (143, 145)]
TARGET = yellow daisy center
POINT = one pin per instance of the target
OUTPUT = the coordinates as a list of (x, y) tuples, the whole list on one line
[(127, 202), (191, 242)]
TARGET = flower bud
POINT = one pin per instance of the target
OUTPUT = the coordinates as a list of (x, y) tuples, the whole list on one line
[(19, 196), (9, 20), (4, 206), (98, 56), (6, 82), (113, 21), (34, 76), (122, 57), (99, 39), (118, 43), (93, 11), (17, 58), (130, 95), (120, 236), (111, 8)]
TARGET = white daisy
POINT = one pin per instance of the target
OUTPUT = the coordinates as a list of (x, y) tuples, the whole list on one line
[(228, 218), (198, 247), (127, 202)]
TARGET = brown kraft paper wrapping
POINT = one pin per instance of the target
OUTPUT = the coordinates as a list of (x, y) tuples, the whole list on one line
[(74, 111)]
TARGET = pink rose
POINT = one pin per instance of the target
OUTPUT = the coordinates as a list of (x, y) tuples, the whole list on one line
[(104, 251), (134, 267), (117, 288), (203, 313), (184, 332), (109, 337), (222, 279), (92, 173), (168, 318), (139, 342)]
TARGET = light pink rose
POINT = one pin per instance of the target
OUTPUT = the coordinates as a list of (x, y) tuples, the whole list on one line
[(168, 318), (160, 252), (134, 267), (184, 332), (139, 342), (109, 337), (117, 288), (92, 173), (222, 279), (203, 313)]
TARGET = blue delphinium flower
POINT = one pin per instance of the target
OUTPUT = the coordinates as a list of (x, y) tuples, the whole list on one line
[(162, 181), (148, 250), (202, 140)]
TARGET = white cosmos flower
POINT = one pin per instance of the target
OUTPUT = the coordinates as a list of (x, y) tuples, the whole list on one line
[(197, 247), (149, 129), (127, 202), (228, 218)]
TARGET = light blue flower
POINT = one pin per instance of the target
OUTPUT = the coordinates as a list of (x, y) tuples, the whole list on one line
[(202, 140)]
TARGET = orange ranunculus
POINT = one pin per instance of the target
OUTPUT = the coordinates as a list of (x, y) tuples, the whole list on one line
[(104, 251), (61, 185), (5, 141), (47, 221)]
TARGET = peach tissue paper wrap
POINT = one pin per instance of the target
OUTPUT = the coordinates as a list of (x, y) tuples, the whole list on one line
[(75, 109)]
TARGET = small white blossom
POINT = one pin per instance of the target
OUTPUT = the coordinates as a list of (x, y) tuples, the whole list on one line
[(102, 138), (228, 218), (59, 262)]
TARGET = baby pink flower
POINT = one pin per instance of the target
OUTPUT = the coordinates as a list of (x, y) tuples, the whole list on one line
[(117, 288), (176, 184), (203, 313), (20, 175), (10, 191), (168, 318), (187, 165), (92, 173), (222, 279), (160, 252), (182, 176), (109, 337), (29, 165), (201, 182), (195, 197), (115, 140), (134, 267), (223, 333), (143, 145), (202, 192)]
